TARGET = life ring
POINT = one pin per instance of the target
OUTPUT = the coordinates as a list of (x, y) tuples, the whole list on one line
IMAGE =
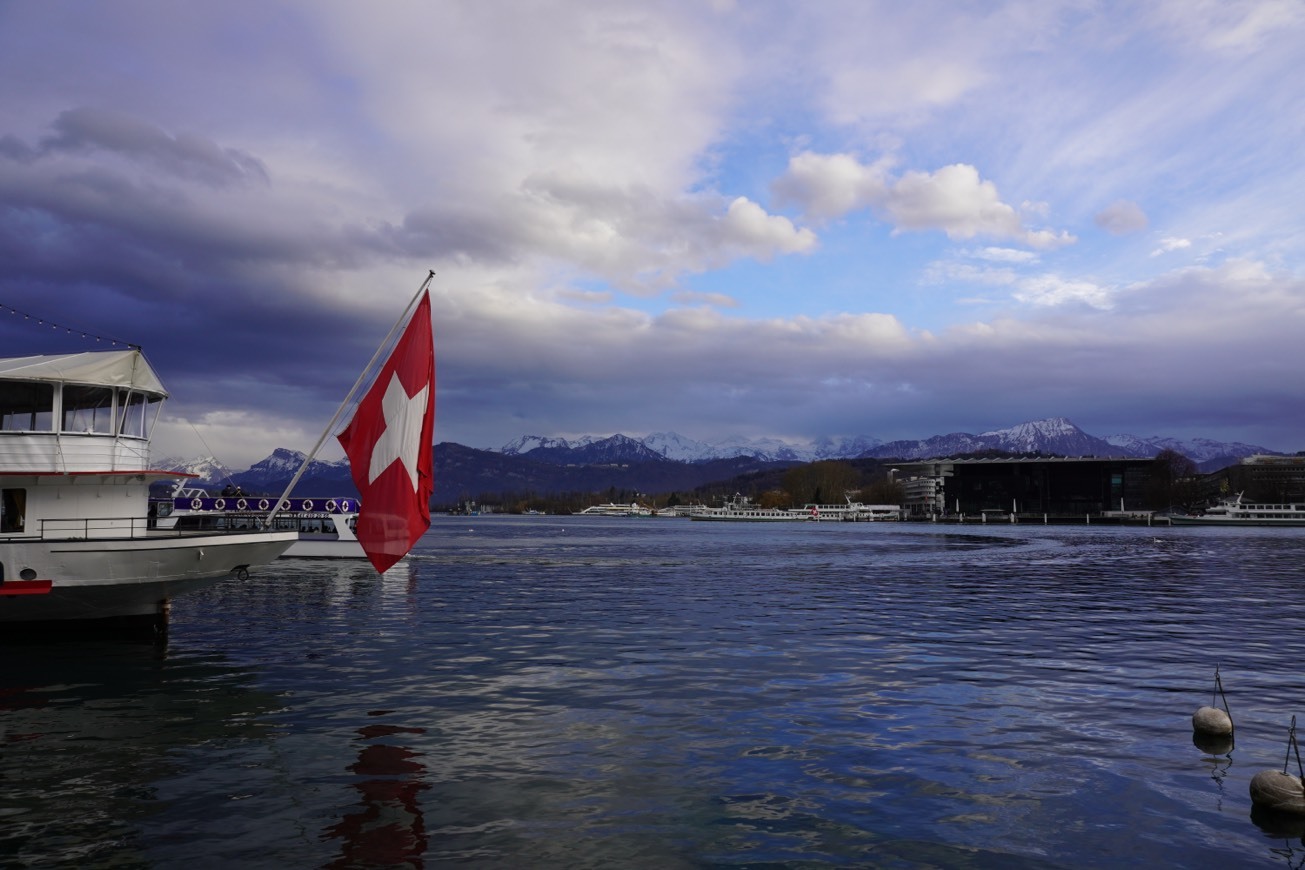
[(196, 504), (220, 504), (262, 504), (345, 505), (331, 506), (306, 504), (241, 505)]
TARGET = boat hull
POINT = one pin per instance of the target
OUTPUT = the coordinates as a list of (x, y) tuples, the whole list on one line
[(746, 518), (118, 578), (1235, 523), (326, 549)]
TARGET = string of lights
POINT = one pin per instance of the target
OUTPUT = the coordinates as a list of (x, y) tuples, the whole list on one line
[(43, 321)]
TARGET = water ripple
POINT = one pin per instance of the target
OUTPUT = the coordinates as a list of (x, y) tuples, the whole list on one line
[(565, 692)]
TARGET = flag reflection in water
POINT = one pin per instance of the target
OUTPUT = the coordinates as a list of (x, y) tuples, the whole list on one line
[(388, 830)]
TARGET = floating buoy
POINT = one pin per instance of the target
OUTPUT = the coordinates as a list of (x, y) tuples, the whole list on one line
[(1211, 721), (1278, 791)]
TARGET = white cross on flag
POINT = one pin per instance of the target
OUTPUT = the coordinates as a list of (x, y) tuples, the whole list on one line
[(388, 443)]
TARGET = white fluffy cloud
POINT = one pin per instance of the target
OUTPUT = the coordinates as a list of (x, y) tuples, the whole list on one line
[(953, 199), (826, 186), (1170, 245)]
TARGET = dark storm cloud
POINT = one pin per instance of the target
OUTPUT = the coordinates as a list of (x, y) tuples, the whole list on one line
[(184, 155)]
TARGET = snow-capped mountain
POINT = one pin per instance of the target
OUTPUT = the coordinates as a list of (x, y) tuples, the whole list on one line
[(843, 448), (527, 443), (677, 448), (268, 475), (769, 449), (613, 450), (1198, 450), (1052, 436), (207, 469)]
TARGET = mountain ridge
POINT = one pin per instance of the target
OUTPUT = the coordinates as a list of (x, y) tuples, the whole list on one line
[(666, 461), (1056, 435)]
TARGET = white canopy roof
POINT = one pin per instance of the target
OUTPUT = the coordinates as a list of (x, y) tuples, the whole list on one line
[(108, 368)]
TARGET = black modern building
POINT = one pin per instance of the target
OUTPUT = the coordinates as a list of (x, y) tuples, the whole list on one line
[(1052, 486)]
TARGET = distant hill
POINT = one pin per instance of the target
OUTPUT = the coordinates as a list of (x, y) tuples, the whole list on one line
[(667, 462)]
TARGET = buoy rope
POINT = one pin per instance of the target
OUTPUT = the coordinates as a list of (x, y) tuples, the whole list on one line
[(1218, 687), (1292, 744)]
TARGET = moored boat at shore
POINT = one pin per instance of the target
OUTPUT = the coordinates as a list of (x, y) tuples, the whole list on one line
[(617, 510), (1236, 512), (77, 543), (850, 512), (325, 526), (740, 509)]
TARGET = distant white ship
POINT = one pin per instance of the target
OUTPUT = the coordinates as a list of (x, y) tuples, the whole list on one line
[(740, 509), (1235, 512), (632, 509)]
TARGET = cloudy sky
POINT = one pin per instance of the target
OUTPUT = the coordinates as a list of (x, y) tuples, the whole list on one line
[(785, 219)]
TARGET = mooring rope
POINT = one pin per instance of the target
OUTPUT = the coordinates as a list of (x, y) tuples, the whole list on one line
[(1292, 744), (1218, 688)]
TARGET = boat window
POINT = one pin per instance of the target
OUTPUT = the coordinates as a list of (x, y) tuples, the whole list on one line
[(26, 407), (87, 409), (131, 422), (13, 510)]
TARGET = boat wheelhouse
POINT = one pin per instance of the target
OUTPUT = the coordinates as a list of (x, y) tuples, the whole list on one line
[(77, 543)]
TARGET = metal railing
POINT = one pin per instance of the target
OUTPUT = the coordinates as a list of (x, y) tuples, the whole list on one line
[(110, 528)]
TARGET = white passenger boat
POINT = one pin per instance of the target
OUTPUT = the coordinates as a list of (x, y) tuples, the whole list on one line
[(325, 526), (851, 512), (740, 509), (617, 510), (1235, 512), (76, 539)]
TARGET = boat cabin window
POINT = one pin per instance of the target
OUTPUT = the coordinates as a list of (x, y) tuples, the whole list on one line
[(13, 510), (26, 407), (136, 413), (87, 409)]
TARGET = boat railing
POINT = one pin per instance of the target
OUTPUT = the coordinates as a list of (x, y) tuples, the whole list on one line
[(114, 528)]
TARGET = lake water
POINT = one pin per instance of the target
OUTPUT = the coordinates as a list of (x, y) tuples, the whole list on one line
[(568, 692)]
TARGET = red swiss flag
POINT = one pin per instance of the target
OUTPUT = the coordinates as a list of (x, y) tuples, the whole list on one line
[(388, 443)]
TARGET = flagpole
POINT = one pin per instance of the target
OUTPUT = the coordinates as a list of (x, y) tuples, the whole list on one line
[(282, 501)]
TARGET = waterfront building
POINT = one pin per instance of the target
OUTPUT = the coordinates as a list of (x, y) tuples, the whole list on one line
[(1268, 478), (1058, 486)]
